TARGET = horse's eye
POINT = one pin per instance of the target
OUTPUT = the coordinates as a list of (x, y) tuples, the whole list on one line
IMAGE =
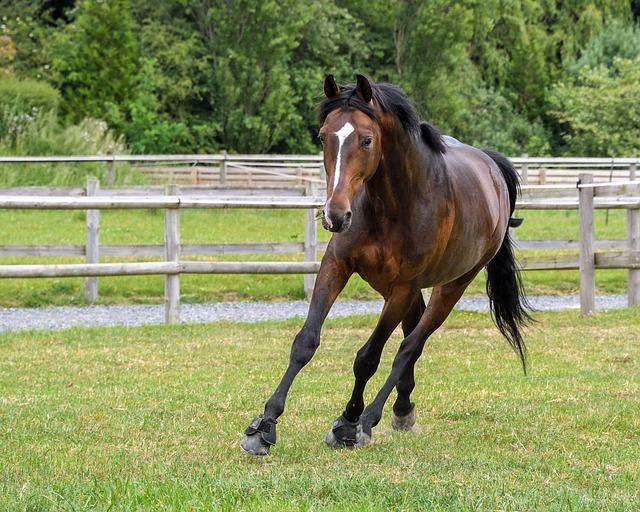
[(321, 138), (366, 142)]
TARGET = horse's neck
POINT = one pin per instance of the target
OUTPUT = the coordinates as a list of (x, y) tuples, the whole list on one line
[(404, 174)]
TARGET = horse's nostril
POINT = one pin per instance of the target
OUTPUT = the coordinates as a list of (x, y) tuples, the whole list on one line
[(347, 217)]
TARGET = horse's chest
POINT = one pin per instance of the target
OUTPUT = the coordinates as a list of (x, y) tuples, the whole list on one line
[(384, 261), (378, 267)]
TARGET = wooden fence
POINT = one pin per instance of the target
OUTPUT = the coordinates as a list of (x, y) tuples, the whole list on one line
[(287, 170), (586, 197)]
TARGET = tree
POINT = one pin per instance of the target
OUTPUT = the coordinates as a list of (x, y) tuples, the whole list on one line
[(28, 29), (435, 67), (147, 129), (96, 60), (332, 41), (599, 113), (618, 39), (246, 75)]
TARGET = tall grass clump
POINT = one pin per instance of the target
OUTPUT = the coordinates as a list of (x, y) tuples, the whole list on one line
[(30, 126)]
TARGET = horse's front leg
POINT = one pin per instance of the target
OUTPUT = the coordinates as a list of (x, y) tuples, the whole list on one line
[(331, 279), (346, 429)]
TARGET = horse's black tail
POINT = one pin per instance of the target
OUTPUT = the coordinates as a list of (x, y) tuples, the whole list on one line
[(507, 299)]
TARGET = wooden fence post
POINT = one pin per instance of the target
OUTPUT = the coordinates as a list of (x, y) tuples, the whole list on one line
[(524, 174), (111, 171), (223, 169), (310, 240), (633, 237), (172, 253), (633, 245), (92, 247), (542, 177), (587, 257)]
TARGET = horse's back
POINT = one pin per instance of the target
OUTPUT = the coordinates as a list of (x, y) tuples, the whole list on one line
[(477, 181), (481, 201)]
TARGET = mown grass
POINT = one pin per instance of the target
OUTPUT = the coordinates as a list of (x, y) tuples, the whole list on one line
[(227, 226), (150, 419)]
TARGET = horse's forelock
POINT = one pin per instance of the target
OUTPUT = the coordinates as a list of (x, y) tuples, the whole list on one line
[(345, 100)]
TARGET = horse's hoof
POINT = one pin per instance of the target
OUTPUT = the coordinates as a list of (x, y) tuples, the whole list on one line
[(362, 438), (332, 441), (347, 434), (343, 433), (405, 422), (259, 436), (254, 445)]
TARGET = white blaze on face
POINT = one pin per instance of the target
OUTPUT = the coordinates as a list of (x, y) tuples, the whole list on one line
[(343, 133)]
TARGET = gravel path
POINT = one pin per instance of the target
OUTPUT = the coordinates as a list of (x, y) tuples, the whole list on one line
[(15, 319)]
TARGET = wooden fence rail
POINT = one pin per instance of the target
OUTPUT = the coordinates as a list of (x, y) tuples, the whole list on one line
[(586, 197), (286, 170)]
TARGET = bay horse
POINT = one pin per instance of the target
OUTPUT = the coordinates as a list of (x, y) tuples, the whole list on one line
[(409, 209)]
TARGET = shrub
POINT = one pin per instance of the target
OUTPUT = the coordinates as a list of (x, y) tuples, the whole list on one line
[(22, 102), (28, 94)]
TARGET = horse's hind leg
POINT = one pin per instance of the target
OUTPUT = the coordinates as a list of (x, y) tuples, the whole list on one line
[(442, 300), (404, 411), (344, 431)]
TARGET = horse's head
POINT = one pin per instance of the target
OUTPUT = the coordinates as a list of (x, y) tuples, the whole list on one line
[(351, 141)]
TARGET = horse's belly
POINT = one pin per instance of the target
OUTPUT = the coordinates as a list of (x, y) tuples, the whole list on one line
[(472, 246)]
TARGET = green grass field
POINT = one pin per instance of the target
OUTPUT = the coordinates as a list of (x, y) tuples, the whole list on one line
[(149, 419), (220, 226)]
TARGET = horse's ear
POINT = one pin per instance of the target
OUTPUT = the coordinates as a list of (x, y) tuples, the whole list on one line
[(331, 88), (363, 88)]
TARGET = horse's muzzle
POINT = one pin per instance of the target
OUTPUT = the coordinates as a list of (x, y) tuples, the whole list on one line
[(336, 223)]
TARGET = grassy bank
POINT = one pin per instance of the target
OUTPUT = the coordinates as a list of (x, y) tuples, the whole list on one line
[(149, 419)]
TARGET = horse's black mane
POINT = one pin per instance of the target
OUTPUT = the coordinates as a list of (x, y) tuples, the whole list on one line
[(392, 100)]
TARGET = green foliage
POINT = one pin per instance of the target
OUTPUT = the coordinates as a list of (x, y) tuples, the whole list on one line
[(571, 24), (332, 40), (507, 47), (26, 95), (44, 135), (434, 65), (489, 120), (95, 60), (148, 130), (251, 94), (600, 112), (29, 29), (617, 40), (180, 80), (245, 76), (23, 103)]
